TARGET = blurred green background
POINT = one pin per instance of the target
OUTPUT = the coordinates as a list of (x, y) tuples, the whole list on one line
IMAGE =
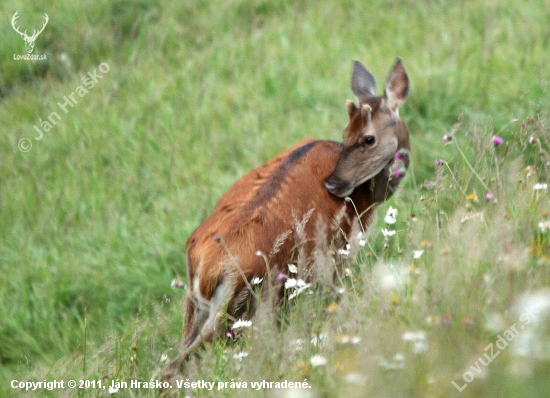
[(94, 217)]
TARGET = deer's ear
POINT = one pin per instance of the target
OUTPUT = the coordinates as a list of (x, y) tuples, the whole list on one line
[(351, 107), (356, 122), (397, 86), (362, 82)]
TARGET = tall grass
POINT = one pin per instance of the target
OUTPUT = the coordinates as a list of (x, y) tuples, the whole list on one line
[(95, 216)]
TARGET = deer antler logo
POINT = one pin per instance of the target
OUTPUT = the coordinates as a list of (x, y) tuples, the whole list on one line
[(29, 40)]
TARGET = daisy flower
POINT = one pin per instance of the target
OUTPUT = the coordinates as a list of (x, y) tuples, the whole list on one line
[(318, 360), (241, 324), (418, 339), (418, 253), (240, 355), (256, 281), (290, 283), (390, 217)]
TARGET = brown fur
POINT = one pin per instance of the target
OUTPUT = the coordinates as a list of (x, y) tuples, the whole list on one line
[(269, 201)]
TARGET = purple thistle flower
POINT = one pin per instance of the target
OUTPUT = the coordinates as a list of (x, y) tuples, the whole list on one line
[(497, 141), (399, 173), (401, 154), (281, 277), (489, 196)]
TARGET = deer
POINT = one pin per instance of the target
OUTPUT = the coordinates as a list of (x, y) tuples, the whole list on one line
[(315, 180), (29, 40)]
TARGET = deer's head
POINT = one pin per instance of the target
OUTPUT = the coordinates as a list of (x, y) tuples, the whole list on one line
[(29, 40), (375, 131)]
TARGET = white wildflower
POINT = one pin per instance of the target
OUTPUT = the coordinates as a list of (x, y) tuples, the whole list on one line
[(318, 360), (388, 233), (540, 186), (256, 281), (420, 347), (113, 390), (344, 252), (397, 362), (343, 339), (472, 216), (391, 276), (298, 344), (389, 281), (300, 287), (399, 357), (535, 304), (290, 283), (292, 268), (319, 340), (432, 320), (240, 355), (241, 324), (414, 336), (544, 225), (300, 283), (533, 311), (390, 217), (418, 253), (347, 339), (361, 239), (297, 285), (418, 339)]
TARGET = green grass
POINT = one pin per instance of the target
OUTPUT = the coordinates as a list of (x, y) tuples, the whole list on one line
[(94, 218)]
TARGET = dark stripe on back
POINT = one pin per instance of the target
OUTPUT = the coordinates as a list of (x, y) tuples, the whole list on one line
[(274, 181)]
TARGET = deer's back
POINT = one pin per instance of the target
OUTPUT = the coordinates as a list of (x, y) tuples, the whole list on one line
[(258, 208)]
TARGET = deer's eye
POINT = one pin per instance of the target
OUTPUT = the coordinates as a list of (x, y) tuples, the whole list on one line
[(369, 140)]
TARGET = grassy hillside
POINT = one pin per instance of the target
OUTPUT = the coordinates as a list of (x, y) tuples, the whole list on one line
[(191, 95)]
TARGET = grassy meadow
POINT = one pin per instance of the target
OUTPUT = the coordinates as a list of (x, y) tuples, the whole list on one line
[(190, 95)]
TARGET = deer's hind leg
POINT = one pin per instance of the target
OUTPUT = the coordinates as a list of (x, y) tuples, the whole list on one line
[(203, 324)]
